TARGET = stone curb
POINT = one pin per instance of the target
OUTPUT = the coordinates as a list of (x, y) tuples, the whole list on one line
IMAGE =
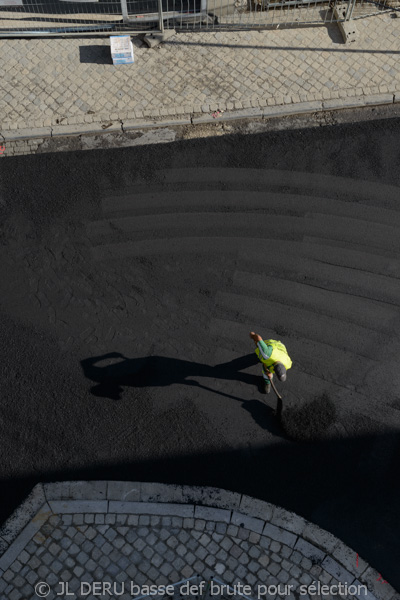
[(130, 125), (206, 503), (25, 534), (67, 130), (22, 515), (190, 119)]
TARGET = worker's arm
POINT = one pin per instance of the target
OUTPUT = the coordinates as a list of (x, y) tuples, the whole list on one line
[(255, 337), (265, 350)]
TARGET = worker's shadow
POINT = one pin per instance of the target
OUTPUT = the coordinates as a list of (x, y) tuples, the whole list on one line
[(160, 371)]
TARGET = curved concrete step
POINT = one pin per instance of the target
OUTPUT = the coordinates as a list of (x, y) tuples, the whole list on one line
[(303, 183), (165, 247), (302, 324), (360, 259), (161, 202), (267, 258), (344, 307), (240, 225)]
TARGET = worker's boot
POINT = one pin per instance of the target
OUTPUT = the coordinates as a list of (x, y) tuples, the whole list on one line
[(267, 387)]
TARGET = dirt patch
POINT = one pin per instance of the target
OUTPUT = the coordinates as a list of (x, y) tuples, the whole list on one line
[(310, 421)]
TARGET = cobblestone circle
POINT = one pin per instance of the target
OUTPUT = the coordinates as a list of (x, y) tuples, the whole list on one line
[(73, 545)]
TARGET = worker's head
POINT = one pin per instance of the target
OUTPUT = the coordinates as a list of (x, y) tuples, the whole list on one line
[(280, 371)]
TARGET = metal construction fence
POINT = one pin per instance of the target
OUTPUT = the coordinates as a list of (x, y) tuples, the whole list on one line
[(35, 18)]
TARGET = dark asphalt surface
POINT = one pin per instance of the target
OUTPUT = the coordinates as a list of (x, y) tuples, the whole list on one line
[(130, 279)]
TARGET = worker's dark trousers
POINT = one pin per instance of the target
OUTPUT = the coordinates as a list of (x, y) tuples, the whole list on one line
[(265, 376)]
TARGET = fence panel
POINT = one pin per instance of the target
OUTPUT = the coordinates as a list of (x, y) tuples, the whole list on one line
[(264, 14), (370, 8), (29, 18)]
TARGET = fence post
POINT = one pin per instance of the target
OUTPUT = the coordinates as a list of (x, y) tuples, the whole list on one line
[(124, 10), (160, 16), (349, 11)]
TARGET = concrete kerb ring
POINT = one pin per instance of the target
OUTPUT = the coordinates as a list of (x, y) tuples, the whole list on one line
[(206, 503)]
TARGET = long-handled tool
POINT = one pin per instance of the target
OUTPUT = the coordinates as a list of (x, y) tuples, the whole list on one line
[(279, 404), (275, 390)]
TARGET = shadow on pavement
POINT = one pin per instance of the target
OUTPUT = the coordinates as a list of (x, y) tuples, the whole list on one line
[(159, 371), (99, 55)]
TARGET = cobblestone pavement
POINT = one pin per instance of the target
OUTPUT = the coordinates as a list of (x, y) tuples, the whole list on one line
[(48, 82), (129, 545), (151, 549)]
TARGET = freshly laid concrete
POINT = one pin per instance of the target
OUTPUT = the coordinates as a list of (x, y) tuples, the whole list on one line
[(86, 536)]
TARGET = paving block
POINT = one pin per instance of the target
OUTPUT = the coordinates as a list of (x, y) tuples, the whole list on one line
[(347, 557), (160, 492), (377, 99), (280, 535), (288, 520), (137, 124), (124, 491), (337, 571), (251, 523), (292, 109), (338, 103), (24, 134), (319, 537), (130, 124), (212, 514), (210, 496), (256, 508), (78, 506), (151, 508), (76, 490), (248, 113), (310, 551)]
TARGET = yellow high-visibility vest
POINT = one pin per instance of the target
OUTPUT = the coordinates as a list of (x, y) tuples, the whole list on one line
[(279, 354)]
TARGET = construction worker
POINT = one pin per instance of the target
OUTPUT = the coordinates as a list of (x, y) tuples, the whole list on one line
[(274, 358)]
